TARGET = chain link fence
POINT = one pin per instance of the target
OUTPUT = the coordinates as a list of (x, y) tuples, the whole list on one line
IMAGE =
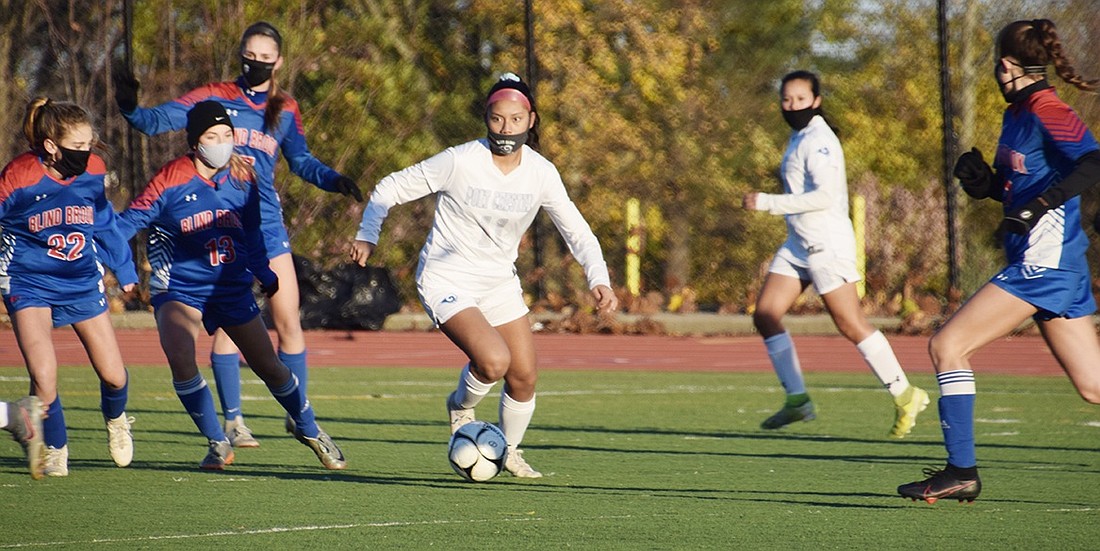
[(669, 104)]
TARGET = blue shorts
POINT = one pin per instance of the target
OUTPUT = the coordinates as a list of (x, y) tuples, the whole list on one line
[(217, 312), (1056, 293), (276, 239), (62, 314)]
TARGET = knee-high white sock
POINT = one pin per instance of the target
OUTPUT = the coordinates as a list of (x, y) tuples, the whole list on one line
[(785, 361), (880, 356), (470, 390), (514, 418)]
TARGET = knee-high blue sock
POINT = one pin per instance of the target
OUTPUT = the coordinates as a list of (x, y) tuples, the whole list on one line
[(293, 399), (53, 427), (196, 399), (957, 416), (112, 402), (227, 377), (297, 365)]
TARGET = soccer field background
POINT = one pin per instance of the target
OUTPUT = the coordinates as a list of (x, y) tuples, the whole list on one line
[(637, 460)]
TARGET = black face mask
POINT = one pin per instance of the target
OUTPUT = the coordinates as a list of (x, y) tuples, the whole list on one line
[(256, 72), (1017, 93), (506, 144), (73, 162), (800, 118)]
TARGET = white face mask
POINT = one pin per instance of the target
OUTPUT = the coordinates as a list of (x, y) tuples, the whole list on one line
[(215, 156)]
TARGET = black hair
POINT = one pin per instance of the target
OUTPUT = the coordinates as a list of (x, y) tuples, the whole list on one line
[(511, 80), (815, 87)]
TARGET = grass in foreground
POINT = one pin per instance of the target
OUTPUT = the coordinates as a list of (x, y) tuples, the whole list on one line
[(633, 460)]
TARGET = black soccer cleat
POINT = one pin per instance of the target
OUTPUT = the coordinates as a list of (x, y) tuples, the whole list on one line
[(942, 484)]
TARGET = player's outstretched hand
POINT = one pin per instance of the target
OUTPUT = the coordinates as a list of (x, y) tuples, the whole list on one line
[(347, 186), (126, 90), (748, 202), (360, 252), (606, 301), (974, 174)]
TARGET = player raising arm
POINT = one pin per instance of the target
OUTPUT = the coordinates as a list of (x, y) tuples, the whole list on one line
[(205, 249), (1045, 158), (820, 250), (58, 232), (267, 121), (488, 192)]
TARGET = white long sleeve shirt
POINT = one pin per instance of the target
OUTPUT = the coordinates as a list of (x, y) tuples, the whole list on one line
[(481, 214), (816, 200)]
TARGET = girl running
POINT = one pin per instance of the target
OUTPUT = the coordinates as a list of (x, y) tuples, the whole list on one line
[(59, 230), (1045, 158), (820, 250), (488, 192), (205, 248)]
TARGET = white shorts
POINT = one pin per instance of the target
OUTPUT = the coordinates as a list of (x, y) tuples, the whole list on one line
[(826, 271), (500, 300)]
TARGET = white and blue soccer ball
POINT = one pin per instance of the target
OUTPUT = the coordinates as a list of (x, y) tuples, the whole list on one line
[(477, 451)]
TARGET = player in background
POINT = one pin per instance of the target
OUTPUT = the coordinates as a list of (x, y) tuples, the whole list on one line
[(820, 250), (206, 249), (1045, 158), (23, 419), (488, 192), (59, 230), (267, 121)]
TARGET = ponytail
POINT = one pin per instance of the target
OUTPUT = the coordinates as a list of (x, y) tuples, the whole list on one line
[(46, 119), (1036, 43)]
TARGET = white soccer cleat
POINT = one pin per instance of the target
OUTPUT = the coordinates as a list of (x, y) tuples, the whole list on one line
[(57, 461), (239, 434), (218, 455), (515, 464), (119, 439), (458, 416)]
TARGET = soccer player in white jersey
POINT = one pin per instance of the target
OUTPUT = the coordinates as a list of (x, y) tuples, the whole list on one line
[(820, 249), (488, 192), (1045, 158)]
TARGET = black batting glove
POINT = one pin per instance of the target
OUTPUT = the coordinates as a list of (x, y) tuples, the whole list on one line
[(1023, 219), (974, 174), (347, 186), (126, 90)]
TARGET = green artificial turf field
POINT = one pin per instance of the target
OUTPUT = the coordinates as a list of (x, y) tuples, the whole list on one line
[(633, 460)]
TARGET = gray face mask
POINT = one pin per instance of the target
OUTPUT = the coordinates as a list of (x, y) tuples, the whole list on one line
[(215, 156), (506, 144)]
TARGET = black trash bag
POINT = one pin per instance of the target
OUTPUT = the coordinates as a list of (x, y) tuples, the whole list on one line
[(347, 297)]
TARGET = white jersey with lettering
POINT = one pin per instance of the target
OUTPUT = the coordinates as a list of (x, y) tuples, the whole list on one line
[(481, 214)]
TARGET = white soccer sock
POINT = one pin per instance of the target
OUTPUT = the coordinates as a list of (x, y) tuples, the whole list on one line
[(785, 361), (514, 418), (470, 390), (880, 356), (3, 414)]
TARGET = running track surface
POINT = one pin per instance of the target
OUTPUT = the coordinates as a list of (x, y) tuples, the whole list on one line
[(1022, 355)]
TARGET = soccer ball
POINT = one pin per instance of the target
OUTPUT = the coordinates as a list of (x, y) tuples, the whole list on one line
[(477, 450)]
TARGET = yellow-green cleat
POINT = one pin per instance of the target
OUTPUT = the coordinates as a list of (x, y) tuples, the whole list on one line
[(906, 408)]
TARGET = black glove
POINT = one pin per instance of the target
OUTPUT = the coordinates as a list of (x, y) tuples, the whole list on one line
[(270, 289), (347, 186), (974, 174), (1021, 220), (1096, 222), (126, 90)]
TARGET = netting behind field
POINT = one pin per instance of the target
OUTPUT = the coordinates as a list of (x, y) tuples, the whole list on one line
[(671, 104)]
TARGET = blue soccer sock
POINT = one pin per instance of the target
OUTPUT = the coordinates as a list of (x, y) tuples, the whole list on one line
[(112, 402), (53, 426), (196, 399), (957, 416), (227, 377), (293, 399), (297, 365)]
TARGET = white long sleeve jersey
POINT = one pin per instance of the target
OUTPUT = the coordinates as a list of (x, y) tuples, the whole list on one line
[(481, 214), (816, 200)]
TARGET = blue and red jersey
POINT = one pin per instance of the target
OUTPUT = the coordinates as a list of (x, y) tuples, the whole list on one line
[(58, 234), (204, 239), (253, 139), (1041, 140)]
